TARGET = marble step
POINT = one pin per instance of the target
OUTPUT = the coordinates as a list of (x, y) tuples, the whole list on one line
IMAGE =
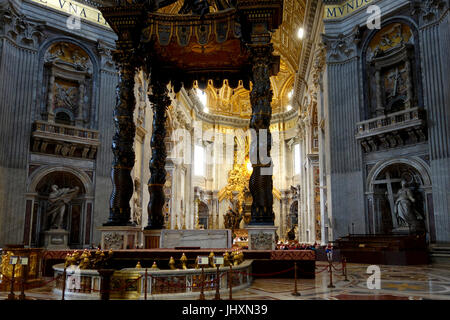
[(440, 254)]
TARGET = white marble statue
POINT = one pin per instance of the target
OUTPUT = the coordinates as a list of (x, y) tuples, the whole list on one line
[(58, 199), (405, 212)]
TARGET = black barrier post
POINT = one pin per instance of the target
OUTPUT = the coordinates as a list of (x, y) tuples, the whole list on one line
[(22, 283), (344, 267), (11, 295), (217, 296), (64, 275), (331, 274), (105, 283), (230, 281), (295, 293)]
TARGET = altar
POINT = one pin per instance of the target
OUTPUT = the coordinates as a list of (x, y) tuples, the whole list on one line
[(220, 239)]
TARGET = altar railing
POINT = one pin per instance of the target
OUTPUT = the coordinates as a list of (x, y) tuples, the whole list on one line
[(132, 283)]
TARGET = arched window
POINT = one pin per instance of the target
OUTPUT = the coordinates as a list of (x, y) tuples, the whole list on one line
[(63, 117)]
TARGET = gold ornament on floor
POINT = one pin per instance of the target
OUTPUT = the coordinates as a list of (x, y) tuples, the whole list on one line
[(84, 264), (87, 260), (226, 259), (154, 266), (172, 263), (196, 266), (138, 265), (211, 260), (183, 261)]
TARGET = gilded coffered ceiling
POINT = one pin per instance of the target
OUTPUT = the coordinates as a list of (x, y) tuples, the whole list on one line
[(236, 103)]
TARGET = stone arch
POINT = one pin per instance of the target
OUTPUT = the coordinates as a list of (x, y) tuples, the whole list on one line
[(382, 185), (417, 163), (400, 19), (78, 217), (41, 173), (51, 41)]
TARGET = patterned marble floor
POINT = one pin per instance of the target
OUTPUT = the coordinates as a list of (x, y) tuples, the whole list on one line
[(428, 282)]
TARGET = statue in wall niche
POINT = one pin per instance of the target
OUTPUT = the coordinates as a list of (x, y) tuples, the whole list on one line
[(58, 199), (291, 234), (137, 205), (404, 209)]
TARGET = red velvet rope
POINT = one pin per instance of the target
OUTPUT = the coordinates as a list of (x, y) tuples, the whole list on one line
[(326, 267)]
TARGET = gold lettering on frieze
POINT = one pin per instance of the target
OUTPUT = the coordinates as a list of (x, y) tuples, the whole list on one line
[(345, 8), (74, 8)]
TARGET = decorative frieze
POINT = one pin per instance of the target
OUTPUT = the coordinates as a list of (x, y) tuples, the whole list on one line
[(394, 130), (63, 140)]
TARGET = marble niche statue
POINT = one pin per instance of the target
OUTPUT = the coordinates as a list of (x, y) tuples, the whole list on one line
[(58, 199), (404, 209)]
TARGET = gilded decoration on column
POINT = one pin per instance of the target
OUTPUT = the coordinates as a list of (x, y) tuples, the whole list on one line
[(237, 191)]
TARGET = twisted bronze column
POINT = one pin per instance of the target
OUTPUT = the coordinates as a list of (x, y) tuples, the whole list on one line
[(261, 183), (123, 139), (160, 102)]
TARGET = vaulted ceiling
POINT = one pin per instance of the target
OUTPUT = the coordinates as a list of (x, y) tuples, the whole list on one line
[(236, 103)]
